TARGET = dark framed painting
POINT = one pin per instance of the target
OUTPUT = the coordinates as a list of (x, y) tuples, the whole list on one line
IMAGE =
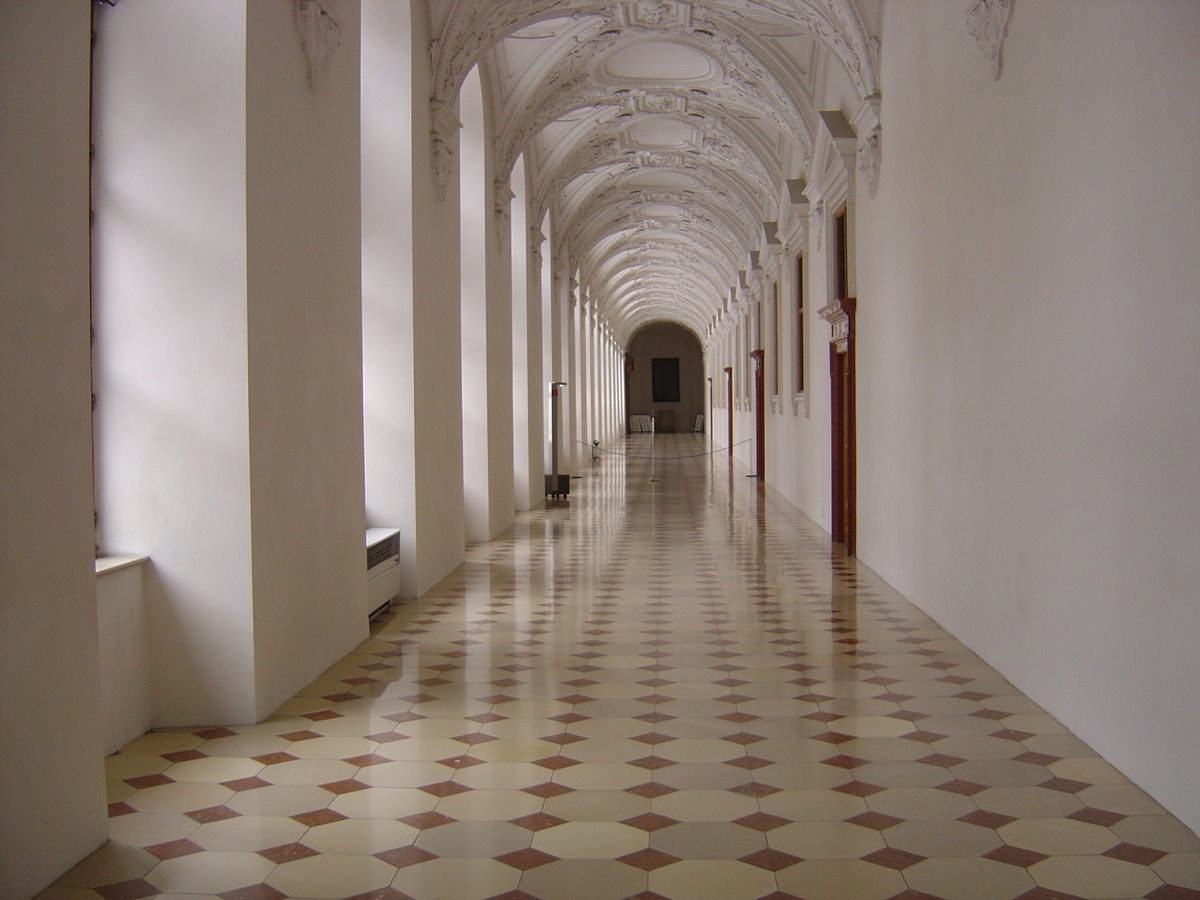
[(664, 379)]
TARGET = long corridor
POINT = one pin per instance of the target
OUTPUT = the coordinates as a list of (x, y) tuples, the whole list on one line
[(672, 687)]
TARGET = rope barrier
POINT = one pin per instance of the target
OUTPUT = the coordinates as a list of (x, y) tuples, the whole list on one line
[(662, 458)]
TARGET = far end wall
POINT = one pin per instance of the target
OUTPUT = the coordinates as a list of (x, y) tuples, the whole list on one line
[(666, 340)]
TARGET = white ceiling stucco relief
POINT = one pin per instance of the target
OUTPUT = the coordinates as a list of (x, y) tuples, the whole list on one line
[(660, 134)]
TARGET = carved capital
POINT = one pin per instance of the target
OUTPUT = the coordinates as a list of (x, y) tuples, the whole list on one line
[(869, 160), (502, 197), (987, 22), (840, 316), (320, 36), (444, 135)]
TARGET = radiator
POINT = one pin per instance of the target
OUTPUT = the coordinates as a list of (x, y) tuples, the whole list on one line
[(383, 568)]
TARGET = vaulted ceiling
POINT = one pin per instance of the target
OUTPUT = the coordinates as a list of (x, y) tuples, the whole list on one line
[(661, 134)]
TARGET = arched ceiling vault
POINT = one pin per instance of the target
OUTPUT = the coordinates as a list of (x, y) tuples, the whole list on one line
[(660, 133)]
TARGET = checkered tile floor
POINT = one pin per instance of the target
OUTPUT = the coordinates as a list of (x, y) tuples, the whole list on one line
[(667, 690)]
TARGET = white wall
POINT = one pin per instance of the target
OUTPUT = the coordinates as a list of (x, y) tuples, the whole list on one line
[(52, 801), (1028, 417), (229, 346)]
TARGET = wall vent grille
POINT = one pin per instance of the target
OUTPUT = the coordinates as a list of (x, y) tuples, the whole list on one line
[(383, 550)]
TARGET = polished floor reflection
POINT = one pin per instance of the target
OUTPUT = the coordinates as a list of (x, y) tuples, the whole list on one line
[(672, 687)]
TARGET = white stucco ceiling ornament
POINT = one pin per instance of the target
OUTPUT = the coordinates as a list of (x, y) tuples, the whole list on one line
[(987, 22), (320, 36)]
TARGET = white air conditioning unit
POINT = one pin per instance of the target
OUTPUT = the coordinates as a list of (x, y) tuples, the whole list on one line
[(383, 568)]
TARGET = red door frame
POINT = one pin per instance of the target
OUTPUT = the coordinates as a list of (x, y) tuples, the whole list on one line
[(729, 403), (760, 416)]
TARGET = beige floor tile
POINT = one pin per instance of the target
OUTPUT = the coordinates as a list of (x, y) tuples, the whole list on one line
[(814, 805), (708, 840), (456, 879), (1065, 837), (600, 776), (309, 771), (474, 839), (120, 766), (145, 829), (580, 879), (597, 806), (968, 879), (836, 879), (1027, 802), (248, 833), (358, 836), (825, 840), (214, 769), (801, 776), (109, 864), (404, 774), (1093, 770), (703, 776), (1179, 869), (248, 745), (279, 800), (604, 750), (210, 873), (1160, 832), (921, 804), (1127, 799), (153, 743), (885, 749), (331, 875), (704, 806), (941, 838), (179, 797), (590, 840), (705, 879), (1095, 877), (116, 791), (333, 747), (485, 805), (512, 751), (901, 774)]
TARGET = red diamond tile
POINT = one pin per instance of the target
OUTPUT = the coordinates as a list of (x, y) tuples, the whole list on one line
[(653, 738), (907, 715), (286, 853), (955, 679), (322, 715), (1016, 856), (874, 820), (924, 737), (345, 786), (497, 699), (754, 789), (445, 789), (1008, 734), (538, 821), (246, 784), (342, 697), (654, 718), (417, 698), (576, 699), (845, 762), (650, 790), (212, 734), (892, 858), (565, 738), (972, 695), (318, 817), (183, 756), (648, 895), (1037, 759), (212, 814), (569, 718), (966, 788), (1173, 892), (652, 762), (425, 820), (914, 895), (994, 715), (149, 781), (274, 759), (526, 859), (832, 737), (654, 698), (460, 762), (738, 718), (547, 790), (749, 763), (1065, 785), (367, 759), (771, 860), (173, 849), (941, 759), (648, 860), (554, 763), (472, 739), (761, 821), (486, 718), (513, 895), (1093, 816), (119, 809), (127, 890), (650, 822), (402, 857), (1041, 893), (402, 718), (859, 788), (1133, 853), (261, 891), (825, 717), (294, 736), (985, 819)]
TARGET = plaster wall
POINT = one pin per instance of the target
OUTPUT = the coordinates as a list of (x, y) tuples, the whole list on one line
[(663, 340), (52, 803), (170, 284), (305, 351), (1028, 420)]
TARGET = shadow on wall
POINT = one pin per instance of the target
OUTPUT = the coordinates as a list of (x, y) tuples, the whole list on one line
[(667, 378)]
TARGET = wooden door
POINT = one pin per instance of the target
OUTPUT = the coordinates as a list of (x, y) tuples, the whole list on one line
[(843, 438), (760, 417)]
